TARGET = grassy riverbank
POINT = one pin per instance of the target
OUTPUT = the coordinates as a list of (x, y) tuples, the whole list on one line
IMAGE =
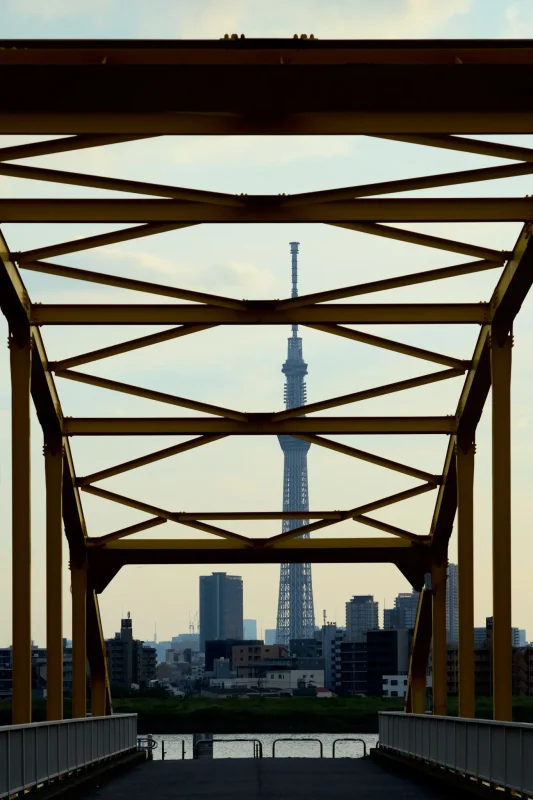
[(266, 715)]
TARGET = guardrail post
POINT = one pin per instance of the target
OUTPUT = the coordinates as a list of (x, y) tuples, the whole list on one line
[(78, 576), (500, 350), (465, 450), (20, 346), (438, 580), (53, 464)]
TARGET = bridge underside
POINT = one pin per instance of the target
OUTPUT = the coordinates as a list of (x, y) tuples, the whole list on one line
[(95, 94)]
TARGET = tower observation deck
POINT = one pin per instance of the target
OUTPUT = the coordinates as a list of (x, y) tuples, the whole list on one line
[(296, 616)]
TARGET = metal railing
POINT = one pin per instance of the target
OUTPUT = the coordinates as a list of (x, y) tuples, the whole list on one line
[(31, 755), (497, 753), (257, 751), (163, 751), (275, 742), (362, 741)]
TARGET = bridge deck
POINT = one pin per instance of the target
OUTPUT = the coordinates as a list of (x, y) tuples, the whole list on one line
[(248, 778)]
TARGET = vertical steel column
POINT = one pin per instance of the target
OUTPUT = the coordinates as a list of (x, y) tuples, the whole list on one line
[(53, 464), (416, 700), (500, 351), (78, 574), (20, 357), (98, 695), (438, 580), (96, 652), (465, 450)]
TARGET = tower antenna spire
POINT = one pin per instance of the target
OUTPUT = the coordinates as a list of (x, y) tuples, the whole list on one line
[(294, 275)]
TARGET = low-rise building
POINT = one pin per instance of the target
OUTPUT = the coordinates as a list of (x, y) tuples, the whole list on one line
[(246, 655), (395, 685)]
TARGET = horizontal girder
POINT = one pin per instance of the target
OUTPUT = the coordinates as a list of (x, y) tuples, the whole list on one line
[(266, 86), (262, 312), (265, 51), (257, 425), (270, 208)]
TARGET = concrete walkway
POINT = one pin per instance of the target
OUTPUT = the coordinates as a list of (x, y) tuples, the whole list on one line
[(276, 779)]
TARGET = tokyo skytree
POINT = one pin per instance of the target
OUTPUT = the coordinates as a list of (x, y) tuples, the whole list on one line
[(296, 616)]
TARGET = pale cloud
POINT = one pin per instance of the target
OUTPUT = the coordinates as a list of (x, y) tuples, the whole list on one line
[(57, 9), (518, 25), (337, 19), (235, 276), (214, 18), (247, 151)]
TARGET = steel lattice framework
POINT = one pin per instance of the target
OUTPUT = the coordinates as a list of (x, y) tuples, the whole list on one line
[(296, 611), (432, 94)]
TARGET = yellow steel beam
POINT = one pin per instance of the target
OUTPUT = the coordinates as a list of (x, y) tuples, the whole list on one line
[(367, 394), (416, 700), (53, 462), (389, 344), (64, 145), (395, 531), (263, 313), (95, 541), (356, 514), (391, 187), (20, 349), (500, 354), (100, 240), (160, 397), (439, 655), (256, 426), (15, 304), (340, 123), (148, 459), (371, 458), (78, 575), (269, 209), (465, 449), (466, 145), (424, 240), (133, 285), (100, 688), (421, 54), (119, 185), (233, 545), (127, 347), (390, 283), (160, 512)]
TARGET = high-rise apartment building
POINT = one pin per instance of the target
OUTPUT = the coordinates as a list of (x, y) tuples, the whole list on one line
[(452, 605), (250, 628), (129, 660), (403, 615), (362, 615), (270, 636), (221, 607)]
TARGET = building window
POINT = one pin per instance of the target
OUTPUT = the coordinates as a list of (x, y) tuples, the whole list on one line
[(280, 676), (394, 683), (394, 694)]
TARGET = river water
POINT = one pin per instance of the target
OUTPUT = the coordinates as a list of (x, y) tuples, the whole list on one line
[(293, 748)]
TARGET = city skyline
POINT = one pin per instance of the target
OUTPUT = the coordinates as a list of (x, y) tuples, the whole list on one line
[(241, 367)]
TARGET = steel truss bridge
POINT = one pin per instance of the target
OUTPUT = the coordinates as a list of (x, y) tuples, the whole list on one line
[(436, 94)]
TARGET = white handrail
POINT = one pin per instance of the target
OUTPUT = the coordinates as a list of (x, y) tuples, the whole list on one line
[(497, 753), (31, 755)]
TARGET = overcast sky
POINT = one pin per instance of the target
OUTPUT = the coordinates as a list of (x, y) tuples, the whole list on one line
[(241, 368)]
